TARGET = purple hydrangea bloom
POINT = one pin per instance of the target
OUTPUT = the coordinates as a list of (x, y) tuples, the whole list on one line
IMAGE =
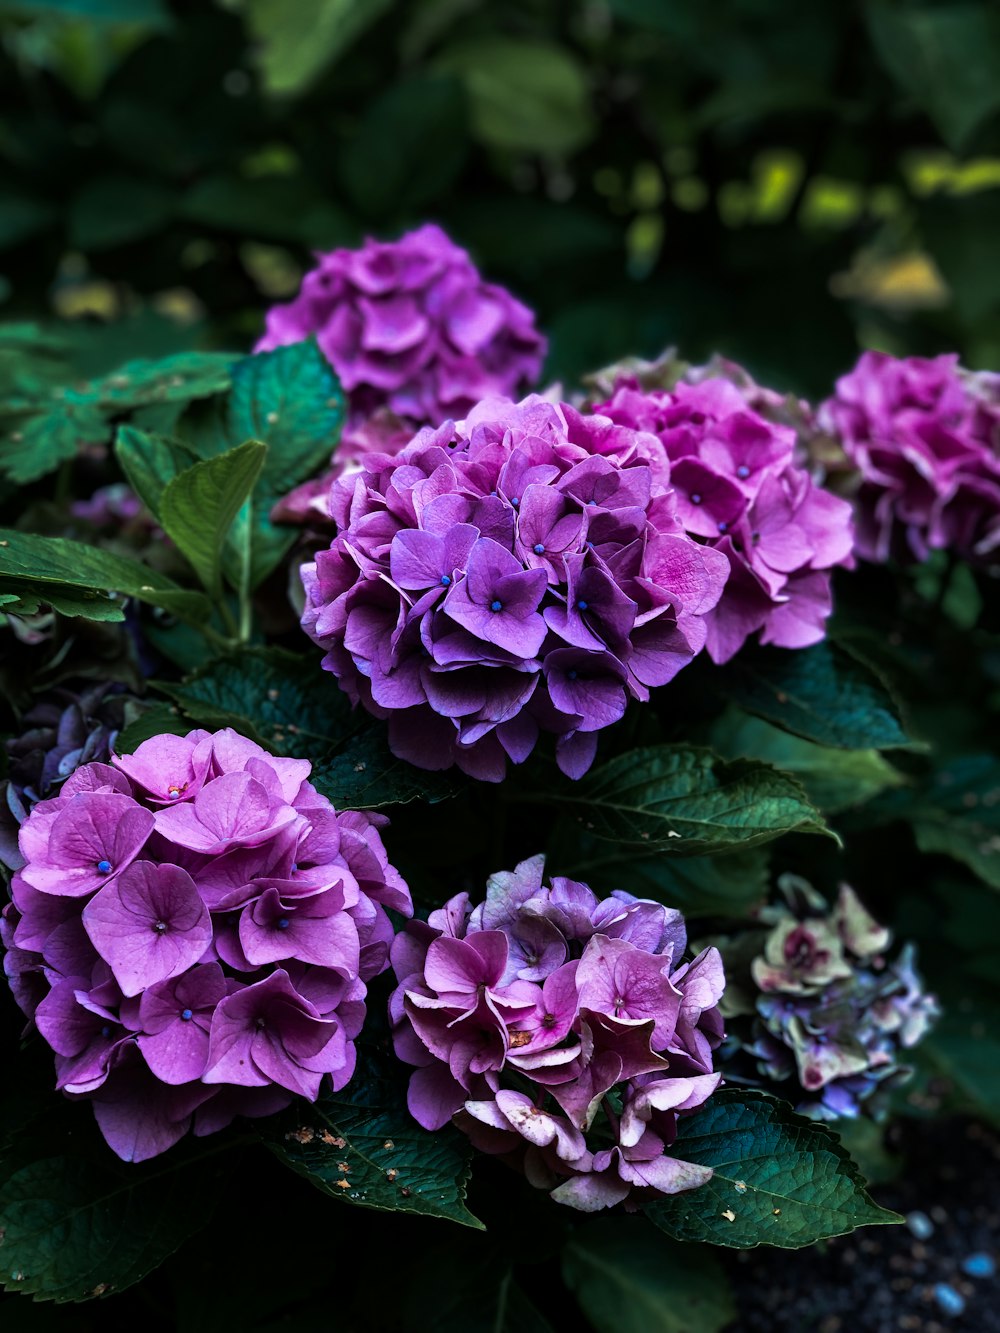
[(925, 436), (192, 932), (415, 335), (502, 576), (740, 490), (563, 1033), (831, 1014)]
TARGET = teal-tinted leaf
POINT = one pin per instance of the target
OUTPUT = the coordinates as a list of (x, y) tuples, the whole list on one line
[(87, 603), (524, 95), (822, 694), (197, 509), (947, 57), (31, 560), (365, 1138), (115, 210), (628, 1278), (110, 11), (36, 445), (22, 215), (962, 1052), (687, 801), (280, 208), (366, 775), (150, 463), (834, 780), (295, 43), (779, 1179), (157, 720), (180, 377)]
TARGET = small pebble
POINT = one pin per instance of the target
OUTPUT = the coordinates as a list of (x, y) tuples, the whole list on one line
[(948, 1299), (979, 1265), (919, 1225)]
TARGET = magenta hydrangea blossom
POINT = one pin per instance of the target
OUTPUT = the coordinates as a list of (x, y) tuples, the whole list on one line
[(501, 577), (925, 436), (192, 932), (740, 490), (416, 337), (564, 1033)]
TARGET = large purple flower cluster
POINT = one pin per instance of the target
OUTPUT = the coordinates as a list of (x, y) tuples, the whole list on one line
[(925, 436), (192, 932), (740, 490), (414, 333), (500, 577), (561, 1032)]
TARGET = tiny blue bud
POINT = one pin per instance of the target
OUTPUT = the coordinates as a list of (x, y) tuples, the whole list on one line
[(539, 549), (105, 1031), (295, 866), (283, 923), (723, 527), (581, 605), (571, 675), (696, 499), (496, 606), (919, 1225), (104, 867), (949, 1300), (979, 1265), (743, 472), (515, 500), (445, 580), (187, 1015)]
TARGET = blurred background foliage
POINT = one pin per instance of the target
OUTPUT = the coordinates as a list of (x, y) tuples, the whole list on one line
[(779, 181)]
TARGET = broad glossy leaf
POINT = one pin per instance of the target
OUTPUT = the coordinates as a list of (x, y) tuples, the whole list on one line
[(687, 801), (153, 721), (361, 1145), (117, 209), (150, 463), (822, 694), (35, 445), (365, 775), (779, 1179), (297, 42), (197, 509), (628, 1278)]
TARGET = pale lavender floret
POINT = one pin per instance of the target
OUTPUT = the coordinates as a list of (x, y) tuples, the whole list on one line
[(500, 578), (924, 435), (416, 337), (585, 1003), (740, 488), (197, 947)]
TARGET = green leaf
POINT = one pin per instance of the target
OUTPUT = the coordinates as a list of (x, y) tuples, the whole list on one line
[(22, 215), (822, 693), (33, 447), (180, 377), (962, 1051), (157, 720), (32, 560), (365, 1138), (686, 801), (295, 43), (87, 603), (628, 1279), (528, 96), (116, 210), (834, 780), (366, 775), (779, 1179), (947, 57), (150, 463), (197, 509), (473, 1293), (110, 11)]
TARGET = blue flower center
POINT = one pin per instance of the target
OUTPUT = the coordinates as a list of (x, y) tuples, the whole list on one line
[(696, 499), (755, 537), (723, 527), (445, 580), (187, 1015), (571, 675), (743, 472), (496, 605), (515, 500), (105, 1032), (283, 923), (539, 549), (104, 867), (295, 866), (160, 927), (582, 605)]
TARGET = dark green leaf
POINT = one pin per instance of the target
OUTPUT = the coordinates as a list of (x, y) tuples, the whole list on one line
[(197, 509), (111, 11), (686, 801), (365, 1137), (296, 43), (366, 775), (31, 560), (780, 1179), (90, 604), (22, 215), (153, 721), (473, 1293), (36, 445), (115, 210), (628, 1278), (150, 463), (822, 694)]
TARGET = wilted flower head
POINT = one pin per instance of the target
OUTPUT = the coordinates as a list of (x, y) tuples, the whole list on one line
[(925, 436), (564, 1033), (500, 577), (191, 933), (415, 335), (831, 1013), (740, 491)]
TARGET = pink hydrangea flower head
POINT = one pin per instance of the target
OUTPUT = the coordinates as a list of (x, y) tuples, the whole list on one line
[(564, 1033), (192, 932), (415, 335), (504, 576), (740, 492), (925, 437)]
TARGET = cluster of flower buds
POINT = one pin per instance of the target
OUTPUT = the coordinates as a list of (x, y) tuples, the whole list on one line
[(561, 1032), (191, 932), (823, 1013), (521, 571)]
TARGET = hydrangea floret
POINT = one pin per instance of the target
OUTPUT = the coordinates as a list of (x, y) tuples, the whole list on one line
[(924, 435), (741, 491), (501, 577), (416, 337), (192, 933), (562, 1032), (831, 1013)]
